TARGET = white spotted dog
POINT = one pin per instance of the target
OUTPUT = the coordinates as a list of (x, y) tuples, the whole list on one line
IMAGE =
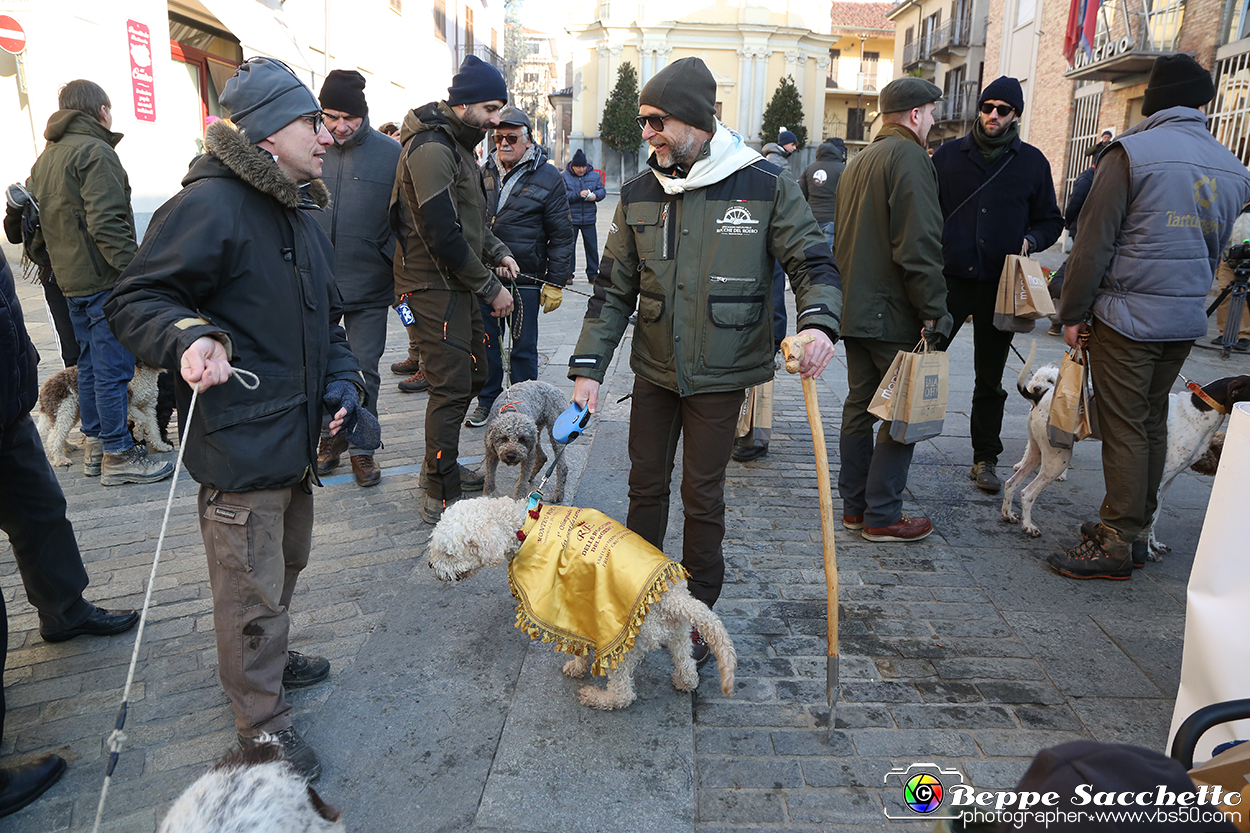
[(58, 411), (1192, 423), (253, 790), (1051, 463)]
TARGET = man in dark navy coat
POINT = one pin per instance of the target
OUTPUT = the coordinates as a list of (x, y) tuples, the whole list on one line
[(997, 199)]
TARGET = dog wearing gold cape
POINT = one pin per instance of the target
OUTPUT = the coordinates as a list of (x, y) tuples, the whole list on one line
[(586, 584)]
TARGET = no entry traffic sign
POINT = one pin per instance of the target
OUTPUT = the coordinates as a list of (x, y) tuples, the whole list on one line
[(12, 36)]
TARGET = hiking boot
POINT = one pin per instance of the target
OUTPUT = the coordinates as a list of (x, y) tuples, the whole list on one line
[(416, 383), (132, 466), (478, 418), (407, 367), (1139, 554), (1090, 530), (746, 453), (432, 508), (302, 671), (1102, 556), (330, 451), (986, 478), (470, 480), (368, 473), (905, 529), (853, 521), (1056, 329), (92, 456), (698, 648), (294, 749)]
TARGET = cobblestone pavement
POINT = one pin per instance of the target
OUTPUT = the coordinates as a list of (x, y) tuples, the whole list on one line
[(962, 649)]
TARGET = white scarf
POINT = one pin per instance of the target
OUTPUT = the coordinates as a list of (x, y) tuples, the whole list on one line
[(727, 154)]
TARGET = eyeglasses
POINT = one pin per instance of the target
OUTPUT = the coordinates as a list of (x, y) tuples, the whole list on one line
[(512, 140), (315, 120), (1004, 110), (656, 123)]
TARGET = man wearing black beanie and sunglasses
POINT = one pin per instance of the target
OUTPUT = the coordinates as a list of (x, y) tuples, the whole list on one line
[(997, 199)]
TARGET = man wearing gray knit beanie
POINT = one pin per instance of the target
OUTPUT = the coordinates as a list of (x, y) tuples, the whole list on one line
[(692, 247)]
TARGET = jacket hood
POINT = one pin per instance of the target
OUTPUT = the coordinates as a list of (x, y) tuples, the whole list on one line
[(224, 144), (826, 152), (438, 115), (773, 147), (76, 121)]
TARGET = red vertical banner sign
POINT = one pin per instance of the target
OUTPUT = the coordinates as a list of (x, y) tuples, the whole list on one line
[(141, 70)]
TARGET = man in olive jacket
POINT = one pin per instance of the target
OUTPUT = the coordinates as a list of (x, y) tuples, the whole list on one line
[(693, 244), (443, 263), (888, 244), (84, 210)]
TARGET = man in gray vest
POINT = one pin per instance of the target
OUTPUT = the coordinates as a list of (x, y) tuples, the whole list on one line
[(1152, 230), (359, 170)]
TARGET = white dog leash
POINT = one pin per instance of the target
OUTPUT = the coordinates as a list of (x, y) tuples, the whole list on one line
[(118, 736)]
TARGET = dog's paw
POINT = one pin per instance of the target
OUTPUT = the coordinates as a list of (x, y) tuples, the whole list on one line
[(686, 679), (602, 699), (159, 446), (1010, 517), (576, 667), (1032, 531), (1157, 550), (60, 460)]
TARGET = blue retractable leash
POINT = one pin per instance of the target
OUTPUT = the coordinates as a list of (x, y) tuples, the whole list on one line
[(568, 427)]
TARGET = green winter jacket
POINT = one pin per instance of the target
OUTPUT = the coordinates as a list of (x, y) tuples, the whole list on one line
[(698, 263), (888, 241), (438, 208), (84, 204)]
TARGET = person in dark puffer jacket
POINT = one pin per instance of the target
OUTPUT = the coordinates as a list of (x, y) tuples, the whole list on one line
[(527, 210), (585, 190)]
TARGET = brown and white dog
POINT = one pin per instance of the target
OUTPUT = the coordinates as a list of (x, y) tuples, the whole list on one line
[(58, 411)]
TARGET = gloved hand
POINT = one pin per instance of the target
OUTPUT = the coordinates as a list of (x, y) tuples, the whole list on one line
[(359, 426), (932, 337), (551, 296)]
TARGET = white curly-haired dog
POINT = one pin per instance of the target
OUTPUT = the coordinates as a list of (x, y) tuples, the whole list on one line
[(482, 532), (58, 411), (253, 790), (1051, 463), (518, 419)]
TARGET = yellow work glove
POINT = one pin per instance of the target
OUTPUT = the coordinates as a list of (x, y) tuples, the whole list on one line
[(551, 297)]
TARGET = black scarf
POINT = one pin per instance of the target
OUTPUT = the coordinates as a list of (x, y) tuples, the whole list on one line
[(992, 147)]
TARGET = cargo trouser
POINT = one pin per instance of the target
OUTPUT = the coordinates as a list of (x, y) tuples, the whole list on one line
[(706, 422), (453, 355), (257, 543), (1132, 380)]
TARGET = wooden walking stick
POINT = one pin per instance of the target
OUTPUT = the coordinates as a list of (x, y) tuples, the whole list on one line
[(792, 349)]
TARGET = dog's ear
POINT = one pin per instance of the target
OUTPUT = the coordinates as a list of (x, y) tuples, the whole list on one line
[(1239, 389)]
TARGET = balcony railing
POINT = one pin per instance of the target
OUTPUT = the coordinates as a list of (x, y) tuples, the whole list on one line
[(869, 80), (917, 51), (957, 107), (485, 53), (952, 35)]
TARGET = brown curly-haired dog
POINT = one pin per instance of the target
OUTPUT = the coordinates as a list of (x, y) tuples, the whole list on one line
[(58, 411)]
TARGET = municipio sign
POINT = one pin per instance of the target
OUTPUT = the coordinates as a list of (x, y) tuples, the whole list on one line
[(141, 70), (12, 35)]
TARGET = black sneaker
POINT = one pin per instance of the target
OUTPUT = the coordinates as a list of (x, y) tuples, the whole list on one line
[(698, 648), (478, 418), (985, 477), (294, 749), (1104, 556), (302, 671), (746, 453), (1139, 554)]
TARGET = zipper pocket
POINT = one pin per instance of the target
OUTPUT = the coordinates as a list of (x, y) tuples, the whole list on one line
[(664, 232), (721, 279), (86, 237)]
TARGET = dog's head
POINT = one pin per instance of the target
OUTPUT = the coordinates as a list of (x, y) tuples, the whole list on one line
[(1227, 391), (1040, 383), (513, 436), (475, 533)]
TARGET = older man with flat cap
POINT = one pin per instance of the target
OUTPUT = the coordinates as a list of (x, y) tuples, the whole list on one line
[(692, 245), (888, 245)]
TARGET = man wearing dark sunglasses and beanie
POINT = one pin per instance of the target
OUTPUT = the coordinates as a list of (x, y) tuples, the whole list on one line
[(445, 262), (997, 199), (692, 244), (235, 272)]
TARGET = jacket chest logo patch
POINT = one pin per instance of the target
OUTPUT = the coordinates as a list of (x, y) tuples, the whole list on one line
[(737, 221)]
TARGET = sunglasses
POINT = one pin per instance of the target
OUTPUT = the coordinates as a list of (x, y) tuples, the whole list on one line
[(316, 120), (656, 123), (511, 141), (1004, 110)]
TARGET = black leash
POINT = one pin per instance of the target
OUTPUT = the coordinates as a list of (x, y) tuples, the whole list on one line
[(537, 279)]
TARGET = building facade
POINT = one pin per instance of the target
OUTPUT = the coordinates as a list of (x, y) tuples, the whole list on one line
[(163, 63), (861, 62), (749, 46)]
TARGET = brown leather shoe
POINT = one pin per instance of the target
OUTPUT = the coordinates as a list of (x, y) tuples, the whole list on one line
[(853, 521), (329, 452), (905, 529), (366, 471)]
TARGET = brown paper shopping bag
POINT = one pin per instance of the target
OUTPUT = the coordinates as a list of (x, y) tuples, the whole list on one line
[(1020, 290), (882, 403), (920, 402), (1069, 406)]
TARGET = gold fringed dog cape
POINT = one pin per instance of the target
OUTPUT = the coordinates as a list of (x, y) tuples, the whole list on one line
[(583, 580)]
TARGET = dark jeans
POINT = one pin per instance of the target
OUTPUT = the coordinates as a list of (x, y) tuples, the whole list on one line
[(366, 336), (1132, 380), (523, 359), (658, 418), (591, 246), (990, 346), (779, 304), (453, 353), (871, 476), (64, 327), (105, 369), (32, 515)]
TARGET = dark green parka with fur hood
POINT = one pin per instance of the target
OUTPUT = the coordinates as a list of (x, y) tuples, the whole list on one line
[(236, 255)]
